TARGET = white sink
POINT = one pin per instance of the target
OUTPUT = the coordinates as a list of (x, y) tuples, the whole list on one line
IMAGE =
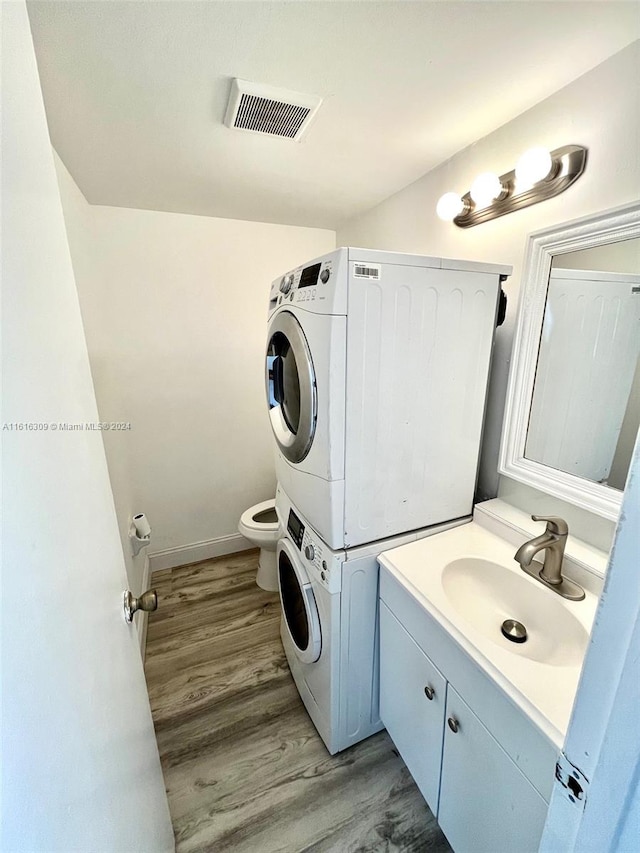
[(467, 579), (486, 594)]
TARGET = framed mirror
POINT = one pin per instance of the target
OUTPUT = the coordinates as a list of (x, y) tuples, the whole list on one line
[(573, 399)]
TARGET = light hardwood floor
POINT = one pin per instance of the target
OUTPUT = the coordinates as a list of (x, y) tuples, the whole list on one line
[(244, 767)]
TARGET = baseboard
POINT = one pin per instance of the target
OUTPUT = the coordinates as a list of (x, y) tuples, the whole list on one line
[(219, 547), (142, 620)]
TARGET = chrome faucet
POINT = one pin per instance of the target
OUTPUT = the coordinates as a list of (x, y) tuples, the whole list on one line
[(553, 542)]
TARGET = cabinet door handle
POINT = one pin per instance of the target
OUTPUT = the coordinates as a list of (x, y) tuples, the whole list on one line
[(429, 692), (453, 724)]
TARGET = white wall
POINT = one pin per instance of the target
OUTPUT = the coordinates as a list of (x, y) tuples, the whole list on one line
[(174, 308), (82, 243), (600, 111)]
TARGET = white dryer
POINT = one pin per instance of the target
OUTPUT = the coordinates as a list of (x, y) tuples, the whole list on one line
[(306, 388), (377, 366), (329, 626)]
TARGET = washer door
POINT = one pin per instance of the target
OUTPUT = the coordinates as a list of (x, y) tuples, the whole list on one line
[(291, 387), (298, 603)]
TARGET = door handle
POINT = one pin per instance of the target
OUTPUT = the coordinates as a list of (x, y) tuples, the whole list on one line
[(148, 601)]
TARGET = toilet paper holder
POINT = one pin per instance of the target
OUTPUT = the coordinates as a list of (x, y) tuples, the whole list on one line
[(139, 533)]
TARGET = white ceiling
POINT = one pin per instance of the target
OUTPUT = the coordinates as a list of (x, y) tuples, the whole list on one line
[(136, 93)]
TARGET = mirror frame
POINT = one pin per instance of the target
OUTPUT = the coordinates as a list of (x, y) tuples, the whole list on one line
[(611, 226)]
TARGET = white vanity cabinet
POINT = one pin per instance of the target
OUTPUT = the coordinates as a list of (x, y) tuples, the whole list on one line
[(485, 773), (486, 803), (412, 705)]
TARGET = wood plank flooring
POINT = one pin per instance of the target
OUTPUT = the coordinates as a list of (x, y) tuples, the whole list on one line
[(244, 767)]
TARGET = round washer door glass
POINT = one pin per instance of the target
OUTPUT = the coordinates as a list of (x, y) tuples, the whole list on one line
[(291, 387), (299, 608)]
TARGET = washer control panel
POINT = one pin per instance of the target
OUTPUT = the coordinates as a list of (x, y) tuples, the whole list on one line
[(321, 562), (323, 566), (296, 529)]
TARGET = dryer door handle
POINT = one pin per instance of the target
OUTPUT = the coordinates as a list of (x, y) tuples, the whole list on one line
[(278, 379)]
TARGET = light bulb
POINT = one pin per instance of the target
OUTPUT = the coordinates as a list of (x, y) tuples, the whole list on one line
[(534, 165), (485, 189), (449, 206)]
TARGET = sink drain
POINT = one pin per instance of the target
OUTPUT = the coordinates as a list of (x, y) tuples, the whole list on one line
[(514, 631)]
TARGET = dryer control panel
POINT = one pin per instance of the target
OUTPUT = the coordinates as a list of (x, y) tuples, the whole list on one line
[(304, 284), (320, 286)]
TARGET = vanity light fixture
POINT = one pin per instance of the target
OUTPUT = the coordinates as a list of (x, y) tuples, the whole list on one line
[(486, 188), (451, 205), (535, 165), (539, 174)]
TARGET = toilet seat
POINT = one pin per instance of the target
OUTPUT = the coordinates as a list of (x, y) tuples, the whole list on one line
[(248, 517)]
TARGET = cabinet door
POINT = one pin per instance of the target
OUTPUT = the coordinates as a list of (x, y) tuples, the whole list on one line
[(415, 722), (486, 804)]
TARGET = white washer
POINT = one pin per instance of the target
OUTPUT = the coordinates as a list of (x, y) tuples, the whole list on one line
[(377, 366), (329, 625)]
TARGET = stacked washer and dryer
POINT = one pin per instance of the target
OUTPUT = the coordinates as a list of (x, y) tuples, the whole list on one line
[(377, 366)]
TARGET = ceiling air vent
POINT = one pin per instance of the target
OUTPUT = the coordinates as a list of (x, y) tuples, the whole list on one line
[(265, 109)]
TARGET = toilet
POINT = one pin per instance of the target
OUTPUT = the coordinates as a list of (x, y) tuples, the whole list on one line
[(259, 524)]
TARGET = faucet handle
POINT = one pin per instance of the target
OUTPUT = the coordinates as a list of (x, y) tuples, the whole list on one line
[(554, 524)]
